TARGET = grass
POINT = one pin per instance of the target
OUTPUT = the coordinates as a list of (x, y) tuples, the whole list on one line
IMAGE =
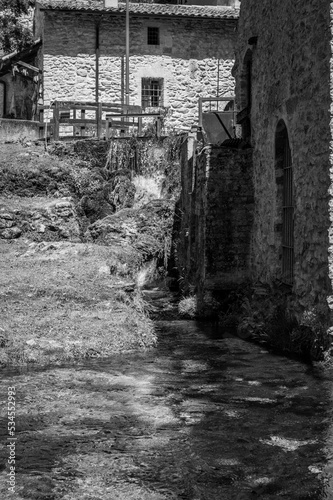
[(60, 302)]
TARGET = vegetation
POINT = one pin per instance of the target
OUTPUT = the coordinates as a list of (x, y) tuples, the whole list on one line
[(63, 300), (261, 312), (15, 32), (149, 157)]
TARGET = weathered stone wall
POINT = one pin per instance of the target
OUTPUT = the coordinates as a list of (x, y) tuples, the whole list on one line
[(290, 81), (187, 58), (19, 96), (216, 204), (229, 217), (14, 130), (55, 220)]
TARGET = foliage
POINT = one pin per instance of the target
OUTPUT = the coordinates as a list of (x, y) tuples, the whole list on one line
[(188, 306), (263, 313), (15, 34), (149, 157)]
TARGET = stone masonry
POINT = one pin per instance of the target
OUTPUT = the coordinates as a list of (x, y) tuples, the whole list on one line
[(194, 58), (283, 76), (217, 216)]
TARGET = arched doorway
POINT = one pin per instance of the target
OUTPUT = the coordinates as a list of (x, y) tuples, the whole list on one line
[(285, 202)]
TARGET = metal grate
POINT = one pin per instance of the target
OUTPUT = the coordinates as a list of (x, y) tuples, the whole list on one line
[(153, 36), (152, 92), (287, 217)]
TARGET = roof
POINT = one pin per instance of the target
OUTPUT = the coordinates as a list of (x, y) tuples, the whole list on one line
[(199, 11), (7, 60)]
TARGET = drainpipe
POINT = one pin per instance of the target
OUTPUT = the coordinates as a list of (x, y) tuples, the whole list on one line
[(122, 80), (218, 82), (97, 62), (127, 54)]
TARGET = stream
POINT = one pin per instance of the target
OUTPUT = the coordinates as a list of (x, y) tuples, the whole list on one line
[(203, 416)]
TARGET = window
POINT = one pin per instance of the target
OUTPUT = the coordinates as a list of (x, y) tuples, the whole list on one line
[(285, 202), (152, 92), (153, 36)]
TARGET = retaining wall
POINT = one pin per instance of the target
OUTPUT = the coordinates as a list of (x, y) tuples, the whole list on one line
[(216, 205), (13, 130)]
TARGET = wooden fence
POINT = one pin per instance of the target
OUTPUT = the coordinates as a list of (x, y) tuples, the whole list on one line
[(117, 116)]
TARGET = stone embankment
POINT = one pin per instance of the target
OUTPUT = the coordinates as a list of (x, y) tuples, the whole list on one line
[(55, 220)]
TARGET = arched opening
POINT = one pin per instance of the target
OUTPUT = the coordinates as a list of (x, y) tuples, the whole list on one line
[(285, 203)]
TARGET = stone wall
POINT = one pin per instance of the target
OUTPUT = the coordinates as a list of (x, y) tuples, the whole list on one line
[(216, 204), (194, 58), (52, 221), (19, 96), (14, 130), (290, 81)]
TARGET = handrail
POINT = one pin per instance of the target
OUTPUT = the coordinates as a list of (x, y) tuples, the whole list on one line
[(211, 100)]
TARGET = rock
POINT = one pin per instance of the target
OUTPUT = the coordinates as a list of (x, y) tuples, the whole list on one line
[(11, 233), (64, 233), (145, 229), (4, 223), (120, 191), (25, 226), (95, 208), (105, 269)]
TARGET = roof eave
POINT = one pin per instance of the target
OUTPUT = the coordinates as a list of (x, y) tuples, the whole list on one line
[(114, 12)]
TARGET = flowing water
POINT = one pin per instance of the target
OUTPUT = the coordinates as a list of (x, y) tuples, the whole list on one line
[(202, 416)]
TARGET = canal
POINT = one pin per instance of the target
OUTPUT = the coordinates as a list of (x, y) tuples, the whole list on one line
[(203, 416)]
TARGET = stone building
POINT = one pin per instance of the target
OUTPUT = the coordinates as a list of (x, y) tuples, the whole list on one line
[(264, 212), (19, 83), (284, 84), (177, 54)]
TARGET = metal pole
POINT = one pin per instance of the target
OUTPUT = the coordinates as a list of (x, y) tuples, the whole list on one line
[(97, 64), (127, 54), (218, 83)]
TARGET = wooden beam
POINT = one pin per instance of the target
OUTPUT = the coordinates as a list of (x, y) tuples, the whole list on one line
[(119, 123), (28, 66), (132, 115), (56, 122)]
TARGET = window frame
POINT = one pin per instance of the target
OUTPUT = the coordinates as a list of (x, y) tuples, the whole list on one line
[(148, 98), (153, 35)]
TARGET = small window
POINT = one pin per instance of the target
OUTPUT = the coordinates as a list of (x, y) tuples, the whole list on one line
[(152, 92), (153, 37)]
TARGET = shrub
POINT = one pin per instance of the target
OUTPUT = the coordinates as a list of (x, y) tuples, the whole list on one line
[(188, 306)]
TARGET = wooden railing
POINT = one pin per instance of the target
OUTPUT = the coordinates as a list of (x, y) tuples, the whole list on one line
[(117, 116)]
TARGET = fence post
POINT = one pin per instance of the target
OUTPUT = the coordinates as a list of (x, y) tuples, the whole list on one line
[(56, 121), (107, 130), (41, 122), (83, 117), (99, 120), (158, 127), (200, 112)]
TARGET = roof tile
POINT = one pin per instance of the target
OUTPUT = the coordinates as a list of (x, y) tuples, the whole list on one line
[(143, 8)]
